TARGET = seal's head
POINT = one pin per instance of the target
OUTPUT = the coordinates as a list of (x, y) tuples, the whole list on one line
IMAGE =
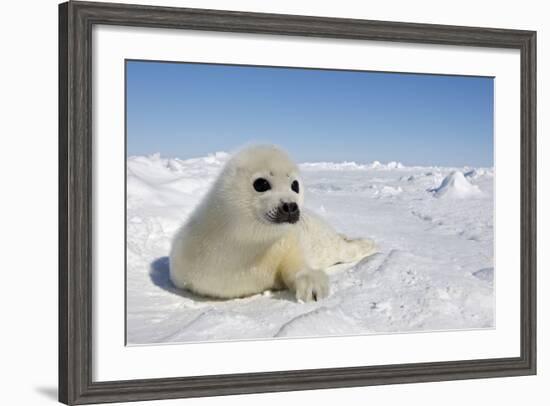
[(264, 186)]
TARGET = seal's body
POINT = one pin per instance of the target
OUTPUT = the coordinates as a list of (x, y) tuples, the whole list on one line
[(251, 234)]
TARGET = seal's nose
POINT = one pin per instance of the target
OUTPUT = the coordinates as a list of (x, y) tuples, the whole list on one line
[(289, 208), (288, 212)]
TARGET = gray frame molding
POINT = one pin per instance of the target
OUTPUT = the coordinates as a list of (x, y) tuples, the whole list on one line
[(76, 20)]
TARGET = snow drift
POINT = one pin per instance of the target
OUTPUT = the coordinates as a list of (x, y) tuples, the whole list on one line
[(455, 185), (350, 165)]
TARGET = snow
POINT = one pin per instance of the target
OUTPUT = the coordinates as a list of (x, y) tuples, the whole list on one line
[(346, 165), (455, 185), (476, 173), (434, 271)]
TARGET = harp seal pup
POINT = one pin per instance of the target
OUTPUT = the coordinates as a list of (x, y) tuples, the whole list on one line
[(251, 233)]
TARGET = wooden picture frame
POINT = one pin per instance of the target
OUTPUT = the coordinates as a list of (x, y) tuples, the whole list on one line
[(76, 20)]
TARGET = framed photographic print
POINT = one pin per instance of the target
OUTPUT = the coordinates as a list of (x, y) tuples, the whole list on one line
[(257, 202)]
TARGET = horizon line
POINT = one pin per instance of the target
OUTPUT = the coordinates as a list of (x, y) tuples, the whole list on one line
[(362, 163)]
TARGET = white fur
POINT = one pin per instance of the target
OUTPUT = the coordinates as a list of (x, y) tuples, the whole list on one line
[(229, 248)]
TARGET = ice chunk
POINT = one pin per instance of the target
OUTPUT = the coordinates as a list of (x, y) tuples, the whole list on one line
[(455, 185)]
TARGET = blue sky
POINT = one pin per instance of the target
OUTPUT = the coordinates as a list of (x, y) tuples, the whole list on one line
[(189, 110)]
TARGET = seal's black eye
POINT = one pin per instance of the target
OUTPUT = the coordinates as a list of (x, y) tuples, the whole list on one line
[(295, 186), (261, 185)]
